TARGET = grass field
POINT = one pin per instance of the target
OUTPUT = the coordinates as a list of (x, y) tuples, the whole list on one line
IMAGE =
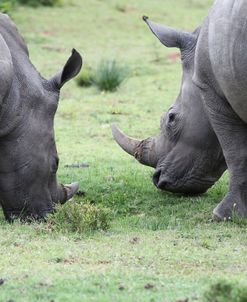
[(160, 247)]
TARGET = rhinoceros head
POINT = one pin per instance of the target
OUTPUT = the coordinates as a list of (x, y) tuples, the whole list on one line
[(186, 153), (28, 155)]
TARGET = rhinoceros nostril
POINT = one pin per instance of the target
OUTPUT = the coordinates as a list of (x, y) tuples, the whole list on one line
[(163, 183), (161, 180), (156, 177)]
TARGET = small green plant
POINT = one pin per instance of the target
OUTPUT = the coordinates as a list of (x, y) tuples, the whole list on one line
[(79, 218), (36, 3), (120, 8), (6, 6), (85, 78), (223, 291), (109, 75)]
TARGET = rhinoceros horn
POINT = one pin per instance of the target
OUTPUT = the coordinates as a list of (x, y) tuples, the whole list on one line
[(170, 37), (145, 151), (68, 191)]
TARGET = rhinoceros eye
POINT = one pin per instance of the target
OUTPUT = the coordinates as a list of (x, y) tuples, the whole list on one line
[(171, 117), (54, 165), (173, 125)]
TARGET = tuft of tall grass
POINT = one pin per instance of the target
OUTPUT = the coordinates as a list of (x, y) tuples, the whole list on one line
[(109, 75), (223, 291), (6, 6), (36, 3), (79, 218), (85, 78)]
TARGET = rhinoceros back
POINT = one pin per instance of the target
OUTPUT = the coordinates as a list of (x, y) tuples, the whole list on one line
[(19, 81), (6, 70), (227, 47), (23, 68)]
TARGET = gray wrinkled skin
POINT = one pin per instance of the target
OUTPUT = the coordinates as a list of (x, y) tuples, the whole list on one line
[(28, 155), (190, 159), (221, 74)]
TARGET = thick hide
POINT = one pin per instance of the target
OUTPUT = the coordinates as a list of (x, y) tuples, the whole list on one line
[(28, 155)]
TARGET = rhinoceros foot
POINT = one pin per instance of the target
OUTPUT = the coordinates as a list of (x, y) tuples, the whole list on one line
[(232, 205)]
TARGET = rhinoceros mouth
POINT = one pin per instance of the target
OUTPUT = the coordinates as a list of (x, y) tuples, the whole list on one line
[(185, 185), (26, 215)]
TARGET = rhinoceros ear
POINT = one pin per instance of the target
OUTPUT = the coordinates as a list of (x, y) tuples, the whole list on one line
[(70, 70), (168, 36)]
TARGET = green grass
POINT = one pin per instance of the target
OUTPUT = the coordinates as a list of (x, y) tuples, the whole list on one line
[(6, 6), (160, 247), (109, 75), (223, 291), (85, 78), (80, 218), (36, 3)]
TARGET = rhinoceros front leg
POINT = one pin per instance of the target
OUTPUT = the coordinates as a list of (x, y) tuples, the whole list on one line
[(232, 134)]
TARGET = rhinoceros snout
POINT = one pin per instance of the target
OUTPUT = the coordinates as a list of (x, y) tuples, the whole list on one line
[(156, 177), (161, 181)]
